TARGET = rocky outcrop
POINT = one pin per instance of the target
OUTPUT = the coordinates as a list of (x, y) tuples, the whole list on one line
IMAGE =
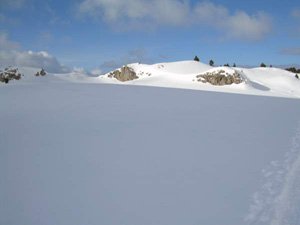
[(9, 74), (41, 73), (124, 74), (220, 78)]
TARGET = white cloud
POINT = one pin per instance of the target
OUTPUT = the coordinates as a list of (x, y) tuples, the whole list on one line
[(10, 55), (243, 26), (96, 72), (79, 70), (137, 14), (209, 13), (238, 25), (149, 14), (31, 59)]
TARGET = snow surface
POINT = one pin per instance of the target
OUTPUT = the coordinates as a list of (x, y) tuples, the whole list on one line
[(83, 152)]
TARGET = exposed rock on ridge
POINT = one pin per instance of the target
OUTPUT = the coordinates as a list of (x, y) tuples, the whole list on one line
[(220, 78), (125, 74)]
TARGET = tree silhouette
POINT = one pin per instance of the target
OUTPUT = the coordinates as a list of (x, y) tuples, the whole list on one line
[(263, 65), (196, 59)]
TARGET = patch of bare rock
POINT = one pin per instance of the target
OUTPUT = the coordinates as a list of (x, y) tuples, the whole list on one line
[(9, 74), (220, 78), (124, 74)]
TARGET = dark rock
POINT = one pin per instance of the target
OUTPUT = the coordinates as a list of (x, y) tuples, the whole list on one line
[(41, 73), (9, 74)]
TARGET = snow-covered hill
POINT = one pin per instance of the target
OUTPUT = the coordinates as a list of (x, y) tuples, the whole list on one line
[(258, 81), (185, 74)]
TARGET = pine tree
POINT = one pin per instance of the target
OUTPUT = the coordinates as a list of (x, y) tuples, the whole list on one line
[(234, 65), (43, 72), (263, 65), (196, 59), (211, 62)]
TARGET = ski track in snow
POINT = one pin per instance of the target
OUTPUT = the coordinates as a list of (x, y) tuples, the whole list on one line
[(278, 201)]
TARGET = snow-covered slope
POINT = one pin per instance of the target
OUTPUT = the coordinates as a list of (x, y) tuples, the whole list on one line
[(80, 153), (259, 81), (185, 74)]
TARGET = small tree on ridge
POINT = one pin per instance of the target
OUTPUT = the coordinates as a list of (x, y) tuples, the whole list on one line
[(263, 65), (196, 59)]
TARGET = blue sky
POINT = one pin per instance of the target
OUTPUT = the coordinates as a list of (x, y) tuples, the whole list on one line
[(105, 34)]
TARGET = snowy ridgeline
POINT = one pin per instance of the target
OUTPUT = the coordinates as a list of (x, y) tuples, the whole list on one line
[(189, 75), (82, 153), (199, 76)]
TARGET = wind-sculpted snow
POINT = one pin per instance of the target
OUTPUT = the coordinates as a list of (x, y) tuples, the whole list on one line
[(80, 153)]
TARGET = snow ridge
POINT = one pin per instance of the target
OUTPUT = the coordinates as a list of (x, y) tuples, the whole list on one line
[(278, 201), (185, 75)]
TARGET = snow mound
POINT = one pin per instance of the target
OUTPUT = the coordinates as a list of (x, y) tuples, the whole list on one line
[(185, 75), (277, 80)]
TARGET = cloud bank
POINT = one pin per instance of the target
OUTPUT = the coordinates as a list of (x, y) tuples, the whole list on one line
[(11, 55), (148, 14)]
